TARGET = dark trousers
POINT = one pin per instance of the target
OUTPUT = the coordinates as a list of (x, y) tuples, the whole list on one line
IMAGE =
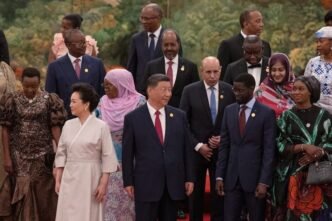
[(163, 210), (196, 200), (236, 199)]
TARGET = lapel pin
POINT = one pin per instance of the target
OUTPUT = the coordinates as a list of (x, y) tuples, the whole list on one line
[(221, 96), (45, 96), (171, 115), (86, 70), (182, 68), (253, 115)]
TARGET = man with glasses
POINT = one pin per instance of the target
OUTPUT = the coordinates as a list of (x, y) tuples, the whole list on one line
[(74, 67), (253, 61)]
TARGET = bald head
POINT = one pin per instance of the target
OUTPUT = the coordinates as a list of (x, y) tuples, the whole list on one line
[(210, 70)]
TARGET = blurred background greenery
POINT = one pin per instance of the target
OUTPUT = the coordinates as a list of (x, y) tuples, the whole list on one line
[(202, 24)]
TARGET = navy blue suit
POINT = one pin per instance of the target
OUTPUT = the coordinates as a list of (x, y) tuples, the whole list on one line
[(154, 168), (244, 161), (61, 76)]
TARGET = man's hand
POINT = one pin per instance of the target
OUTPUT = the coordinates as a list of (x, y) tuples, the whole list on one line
[(220, 187), (8, 165), (261, 191), (205, 151), (189, 186), (214, 142), (130, 191)]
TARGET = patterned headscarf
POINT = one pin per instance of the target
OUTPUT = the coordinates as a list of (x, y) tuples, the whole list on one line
[(313, 86), (113, 110)]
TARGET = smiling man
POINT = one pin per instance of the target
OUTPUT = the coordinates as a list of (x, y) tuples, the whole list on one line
[(180, 71)]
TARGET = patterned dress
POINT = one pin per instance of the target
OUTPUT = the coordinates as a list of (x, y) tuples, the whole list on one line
[(322, 70), (310, 126), (29, 194)]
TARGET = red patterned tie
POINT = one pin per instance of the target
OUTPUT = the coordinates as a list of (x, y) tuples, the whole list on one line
[(157, 125), (242, 119), (170, 71), (77, 67)]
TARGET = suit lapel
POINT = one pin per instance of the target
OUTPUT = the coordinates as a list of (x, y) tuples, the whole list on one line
[(236, 119), (168, 124), (149, 123), (205, 101), (179, 75), (68, 69), (220, 102), (263, 71), (85, 69), (251, 119)]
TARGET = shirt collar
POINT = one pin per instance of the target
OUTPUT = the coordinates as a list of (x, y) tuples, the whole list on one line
[(156, 33), (216, 86), (152, 110), (250, 104), (260, 62), (243, 35), (72, 58), (175, 59)]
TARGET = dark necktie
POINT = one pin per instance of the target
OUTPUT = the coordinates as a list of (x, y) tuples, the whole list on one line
[(213, 105), (242, 119), (157, 125), (170, 71), (77, 67), (255, 65), (152, 45)]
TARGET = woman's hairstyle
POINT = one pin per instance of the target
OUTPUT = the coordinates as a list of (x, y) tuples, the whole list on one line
[(87, 94), (313, 86), (285, 62), (75, 19), (30, 72)]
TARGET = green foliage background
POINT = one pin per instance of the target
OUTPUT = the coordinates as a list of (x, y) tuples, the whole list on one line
[(202, 24)]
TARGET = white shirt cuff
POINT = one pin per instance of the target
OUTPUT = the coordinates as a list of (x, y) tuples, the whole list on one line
[(198, 146)]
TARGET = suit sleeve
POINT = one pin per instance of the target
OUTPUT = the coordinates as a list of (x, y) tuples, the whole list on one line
[(128, 148), (101, 76), (223, 56), (50, 82), (132, 59), (269, 148), (147, 74), (267, 50), (189, 152), (4, 52), (228, 76), (223, 151)]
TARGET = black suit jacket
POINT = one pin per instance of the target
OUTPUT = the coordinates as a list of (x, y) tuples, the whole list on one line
[(248, 158), (152, 167), (238, 67), (195, 103), (4, 52), (187, 73), (230, 50)]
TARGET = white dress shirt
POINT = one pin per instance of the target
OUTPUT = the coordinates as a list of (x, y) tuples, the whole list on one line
[(156, 36), (162, 117), (175, 66), (256, 73), (72, 60)]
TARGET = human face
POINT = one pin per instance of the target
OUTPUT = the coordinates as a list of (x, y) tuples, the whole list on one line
[(210, 71), (323, 46), (254, 25), (253, 52), (66, 25), (150, 19), (30, 86), (77, 45), (170, 46), (242, 93), (278, 72), (110, 90), (77, 106), (160, 94), (300, 94)]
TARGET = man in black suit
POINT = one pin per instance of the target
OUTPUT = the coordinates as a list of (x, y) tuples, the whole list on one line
[(157, 154), (230, 50), (204, 102), (252, 62), (180, 70), (4, 52), (246, 153)]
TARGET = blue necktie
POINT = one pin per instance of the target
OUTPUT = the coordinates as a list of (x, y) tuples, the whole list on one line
[(152, 45), (213, 105)]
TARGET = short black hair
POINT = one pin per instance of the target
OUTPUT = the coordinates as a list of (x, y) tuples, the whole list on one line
[(156, 8), (30, 72), (245, 16), (75, 19), (154, 79), (87, 94), (172, 31), (252, 39), (328, 16), (67, 35), (247, 79)]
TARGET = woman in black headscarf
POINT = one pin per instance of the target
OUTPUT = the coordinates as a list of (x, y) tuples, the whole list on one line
[(305, 135)]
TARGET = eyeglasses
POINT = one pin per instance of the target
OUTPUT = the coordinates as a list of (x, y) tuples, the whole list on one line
[(143, 18)]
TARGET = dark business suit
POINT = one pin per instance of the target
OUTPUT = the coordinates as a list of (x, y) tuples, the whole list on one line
[(239, 67), (195, 103), (187, 73), (155, 169), (4, 52), (61, 76), (231, 50), (244, 161)]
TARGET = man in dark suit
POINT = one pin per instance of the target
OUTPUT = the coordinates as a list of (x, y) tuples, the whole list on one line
[(157, 154), (4, 52), (230, 50), (205, 110), (246, 154), (74, 67), (180, 70), (252, 61)]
